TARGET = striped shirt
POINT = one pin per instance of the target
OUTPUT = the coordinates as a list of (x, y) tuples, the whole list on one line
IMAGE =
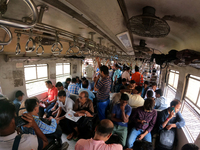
[(103, 87), (73, 88), (45, 128)]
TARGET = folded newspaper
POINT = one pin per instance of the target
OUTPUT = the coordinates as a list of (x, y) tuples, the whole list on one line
[(70, 115)]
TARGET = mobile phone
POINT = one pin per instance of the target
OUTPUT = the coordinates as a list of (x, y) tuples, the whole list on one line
[(20, 122), (172, 109)]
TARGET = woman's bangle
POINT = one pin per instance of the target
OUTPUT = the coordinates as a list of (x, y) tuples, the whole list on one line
[(167, 119)]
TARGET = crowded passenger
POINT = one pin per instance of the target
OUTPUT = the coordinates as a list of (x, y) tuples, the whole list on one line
[(67, 82), (149, 95), (18, 99), (145, 88), (144, 118), (120, 118), (153, 89), (73, 88), (160, 101), (126, 74), (60, 87), (103, 90), (50, 100), (85, 85), (137, 76), (65, 104), (135, 100), (84, 109), (116, 77), (103, 132), (124, 85), (89, 72), (78, 82), (8, 133), (170, 119), (48, 126)]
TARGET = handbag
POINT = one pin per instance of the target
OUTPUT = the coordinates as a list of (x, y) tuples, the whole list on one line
[(16, 142)]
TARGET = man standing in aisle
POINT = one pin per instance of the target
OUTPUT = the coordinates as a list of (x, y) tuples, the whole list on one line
[(103, 89), (89, 72)]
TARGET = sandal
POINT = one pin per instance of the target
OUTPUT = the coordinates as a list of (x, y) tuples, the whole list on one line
[(75, 138), (70, 136)]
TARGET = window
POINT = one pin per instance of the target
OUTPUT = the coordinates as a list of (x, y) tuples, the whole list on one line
[(171, 88), (191, 106), (62, 71), (35, 77)]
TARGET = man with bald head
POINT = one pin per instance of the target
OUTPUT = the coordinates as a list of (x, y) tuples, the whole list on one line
[(102, 133)]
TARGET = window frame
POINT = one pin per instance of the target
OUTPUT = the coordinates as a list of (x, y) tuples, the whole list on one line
[(37, 79), (63, 74), (190, 104)]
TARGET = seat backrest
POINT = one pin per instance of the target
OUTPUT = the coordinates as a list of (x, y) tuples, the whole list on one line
[(74, 97)]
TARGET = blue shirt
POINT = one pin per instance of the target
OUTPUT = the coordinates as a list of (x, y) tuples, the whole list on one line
[(118, 113), (89, 86), (17, 104), (161, 103), (163, 115), (45, 128), (91, 95), (73, 88), (117, 73)]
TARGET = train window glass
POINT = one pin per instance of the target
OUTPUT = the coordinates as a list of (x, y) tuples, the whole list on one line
[(191, 106), (171, 88), (35, 77), (62, 71)]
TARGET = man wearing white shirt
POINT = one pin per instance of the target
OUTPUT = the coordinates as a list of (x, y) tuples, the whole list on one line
[(153, 89), (89, 72), (65, 104), (126, 74), (161, 102), (136, 100)]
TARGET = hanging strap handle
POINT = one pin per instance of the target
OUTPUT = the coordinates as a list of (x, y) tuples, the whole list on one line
[(16, 142)]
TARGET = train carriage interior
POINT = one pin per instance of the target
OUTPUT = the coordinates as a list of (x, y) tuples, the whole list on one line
[(54, 40)]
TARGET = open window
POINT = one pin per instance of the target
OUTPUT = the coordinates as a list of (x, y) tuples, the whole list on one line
[(62, 71), (191, 106), (172, 84), (35, 77)]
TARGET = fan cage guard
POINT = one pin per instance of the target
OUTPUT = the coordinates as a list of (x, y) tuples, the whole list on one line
[(148, 26)]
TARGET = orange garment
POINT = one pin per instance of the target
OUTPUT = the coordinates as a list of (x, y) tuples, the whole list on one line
[(52, 93), (138, 78)]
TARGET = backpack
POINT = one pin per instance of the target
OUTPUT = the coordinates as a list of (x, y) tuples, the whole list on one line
[(166, 139)]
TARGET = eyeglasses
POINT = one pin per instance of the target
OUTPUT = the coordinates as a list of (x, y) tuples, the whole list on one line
[(81, 97)]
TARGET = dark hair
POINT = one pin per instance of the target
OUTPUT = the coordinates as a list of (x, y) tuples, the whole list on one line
[(149, 93), (139, 89), (30, 104), (104, 69), (104, 128), (149, 104), (7, 113), (59, 84), (85, 84), (87, 63), (77, 77), (117, 66), (136, 68), (124, 97), (127, 68), (68, 79), (190, 146), (48, 82), (86, 94), (174, 103), (73, 80), (159, 91), (146, 82), (142, 145), (123, 80), (83, 78), (132, 82), (154, 84), (62, 93), (18, 94)]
